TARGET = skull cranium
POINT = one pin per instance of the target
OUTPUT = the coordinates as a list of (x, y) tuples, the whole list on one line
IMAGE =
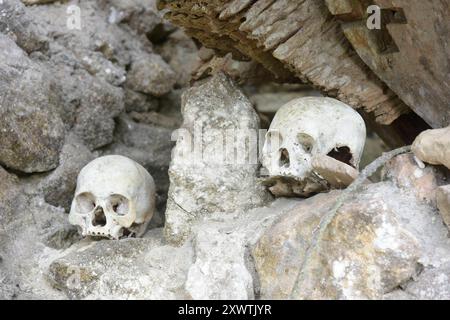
[(114, 198), (307, 129)]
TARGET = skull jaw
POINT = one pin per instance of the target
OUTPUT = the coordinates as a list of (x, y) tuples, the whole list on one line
[(115, 232)]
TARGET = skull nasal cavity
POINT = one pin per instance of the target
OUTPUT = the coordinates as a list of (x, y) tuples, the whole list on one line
[(99, 218), (284, 158), (342, 154)]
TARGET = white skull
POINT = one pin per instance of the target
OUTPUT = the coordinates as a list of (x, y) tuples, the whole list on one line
[(303, 130), (114, 198)]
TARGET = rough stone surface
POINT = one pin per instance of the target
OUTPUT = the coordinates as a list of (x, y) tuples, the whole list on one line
[(10, 192), (31, 132), (99, 105), (29, 240), (207, 180), (126, 269), (443, 203), (433, 146), (151, 74), (59, 186), (216, 265), (223, 267), (381, 240), (406, 172), (433, 284), (385, 242), (91, 65), (339, 175), (19, 25), (141, 15), (139, 102), (181, 53)]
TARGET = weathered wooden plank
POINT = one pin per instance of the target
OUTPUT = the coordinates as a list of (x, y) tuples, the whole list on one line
[(289, 37), (411, 52)]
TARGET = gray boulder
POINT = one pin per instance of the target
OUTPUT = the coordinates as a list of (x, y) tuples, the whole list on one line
[(150, 74), (59, 186), (383, 243), (209, 178), (31, 131), (126, 269)]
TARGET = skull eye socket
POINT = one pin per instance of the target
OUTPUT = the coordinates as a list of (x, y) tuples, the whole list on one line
[(273, 141), (119, 204), (306, 141), (85, 202), (342, 154)]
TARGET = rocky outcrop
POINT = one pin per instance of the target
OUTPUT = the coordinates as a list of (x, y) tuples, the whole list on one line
[(59, 186), (126, 269), (381, 240), (433, 146), (409, 174), (206, 176), (31, 131), (150, 74)]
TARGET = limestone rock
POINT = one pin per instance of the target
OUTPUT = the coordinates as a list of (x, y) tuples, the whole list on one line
[(139, 102), (279, 252), (443, 203), (433, 284), (150, 74), (365, 253), (141, 15), (29, 241), (223, 267), (31, 131), (100, 103), (96, 64), (338, 174), (211, 179), (408, 175), (59, 186), (180, 52), (127, 269), (155, 118), (19, 25), (10, 192), (433, 146)]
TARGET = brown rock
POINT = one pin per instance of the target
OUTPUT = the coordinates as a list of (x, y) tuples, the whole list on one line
[(364, 253), (150, 74), (338, 174), (433, 146), (406, 173)]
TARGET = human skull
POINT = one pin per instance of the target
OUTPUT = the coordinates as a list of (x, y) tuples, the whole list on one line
[(306, 129), (114, 198)]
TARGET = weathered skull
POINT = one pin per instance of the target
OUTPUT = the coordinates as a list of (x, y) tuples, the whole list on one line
[(114, 198), (304, 131)]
